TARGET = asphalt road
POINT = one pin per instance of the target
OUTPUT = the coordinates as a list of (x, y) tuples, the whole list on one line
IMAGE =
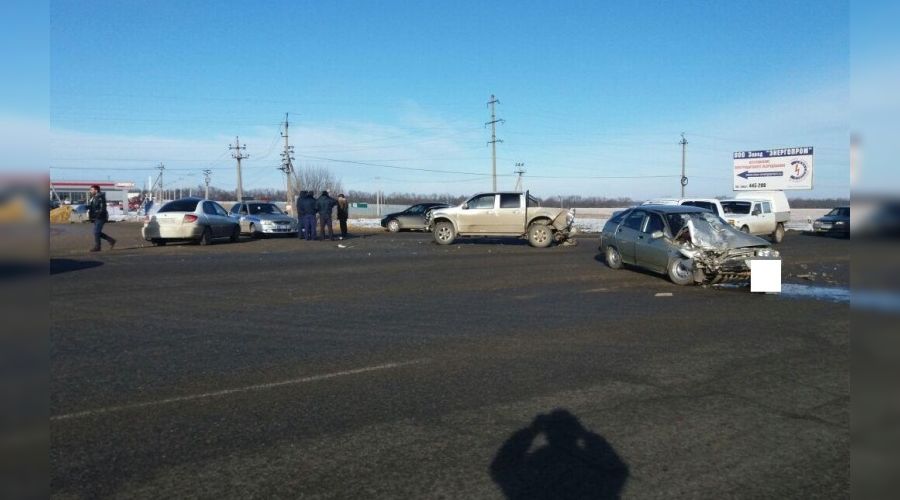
[(397, 368)]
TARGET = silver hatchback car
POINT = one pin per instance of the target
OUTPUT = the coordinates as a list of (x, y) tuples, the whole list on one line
[(190, 219)]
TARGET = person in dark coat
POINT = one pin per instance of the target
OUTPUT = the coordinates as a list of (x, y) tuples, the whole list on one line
[(343, 212), (325, 205), (98, 215), (307, 208), (299, 212)]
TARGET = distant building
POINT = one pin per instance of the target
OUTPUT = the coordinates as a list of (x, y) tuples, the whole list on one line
[(78, 192)]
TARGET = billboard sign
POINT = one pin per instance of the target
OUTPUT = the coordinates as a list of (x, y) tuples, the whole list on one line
[(773, 169)]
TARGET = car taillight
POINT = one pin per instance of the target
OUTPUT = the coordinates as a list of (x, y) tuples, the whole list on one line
[(189, 218)]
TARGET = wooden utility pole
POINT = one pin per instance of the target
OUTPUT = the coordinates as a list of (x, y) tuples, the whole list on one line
[(493, 142), (238, 154)]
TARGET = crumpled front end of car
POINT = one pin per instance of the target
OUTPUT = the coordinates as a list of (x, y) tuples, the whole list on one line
[(718, 256)]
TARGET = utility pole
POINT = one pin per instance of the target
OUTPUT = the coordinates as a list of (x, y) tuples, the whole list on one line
[(684, 179), (239, 155), (493, 142), (161, 169), (520, 169), (206, 173), (287, 164)]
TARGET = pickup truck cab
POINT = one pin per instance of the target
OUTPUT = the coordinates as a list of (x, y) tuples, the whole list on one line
[(503, 214)]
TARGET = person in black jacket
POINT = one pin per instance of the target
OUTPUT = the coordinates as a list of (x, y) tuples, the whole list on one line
[(98, 215), (306, 208), (343, 212), (325, 205)]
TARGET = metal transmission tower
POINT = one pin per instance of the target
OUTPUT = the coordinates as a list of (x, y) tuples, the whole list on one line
[(684, 179), (287, 164), (520, 169), (159, 182), (206, 173), (239, 155), (493, 142)]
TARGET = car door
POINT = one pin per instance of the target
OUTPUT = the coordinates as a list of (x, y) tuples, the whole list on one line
[(650, 252), (627, 234), (510, 217), (239, 212), (478, 214), (767, 218), (222, 220), (413, 217)]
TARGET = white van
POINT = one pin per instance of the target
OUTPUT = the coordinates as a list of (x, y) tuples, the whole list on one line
[(761, 213)]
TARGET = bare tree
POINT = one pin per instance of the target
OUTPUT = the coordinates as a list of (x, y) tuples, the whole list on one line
[(316, 179)]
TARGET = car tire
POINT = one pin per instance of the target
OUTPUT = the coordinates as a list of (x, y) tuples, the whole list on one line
[(444, 234), (540, 235), (158, 242), (206, 237), (235, 234), (613, 258), (253, 233), (778, 235), (745, 229), (680, 272), (393, 226)]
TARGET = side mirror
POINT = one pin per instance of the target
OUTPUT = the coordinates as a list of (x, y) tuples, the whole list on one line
[(465, 206), (657, 235)]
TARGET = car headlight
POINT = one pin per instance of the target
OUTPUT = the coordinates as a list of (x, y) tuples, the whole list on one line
[(767, 253), (840, 223)]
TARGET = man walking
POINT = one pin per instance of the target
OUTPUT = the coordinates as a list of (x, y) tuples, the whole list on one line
[(307, 207), (343, 212), (98, 215), (325, 205)]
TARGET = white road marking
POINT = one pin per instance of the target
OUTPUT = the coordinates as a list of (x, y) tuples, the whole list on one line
[(226, 392)]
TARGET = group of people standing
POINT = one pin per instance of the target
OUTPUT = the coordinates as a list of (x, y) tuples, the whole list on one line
[(308, 208)]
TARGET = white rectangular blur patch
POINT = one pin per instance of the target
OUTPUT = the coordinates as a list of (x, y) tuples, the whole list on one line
[(765, 275)]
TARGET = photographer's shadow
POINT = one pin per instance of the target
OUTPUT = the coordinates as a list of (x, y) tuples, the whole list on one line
[(572, 462)]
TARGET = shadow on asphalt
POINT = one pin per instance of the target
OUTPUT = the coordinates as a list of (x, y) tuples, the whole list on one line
[(59, 266), (572, 462)]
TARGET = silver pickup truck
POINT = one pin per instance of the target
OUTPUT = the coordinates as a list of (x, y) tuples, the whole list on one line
[(503, 214)]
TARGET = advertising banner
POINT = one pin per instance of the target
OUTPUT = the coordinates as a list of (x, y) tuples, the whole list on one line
[(773, 169)]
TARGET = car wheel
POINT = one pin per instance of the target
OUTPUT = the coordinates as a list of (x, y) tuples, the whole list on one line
[(613, 258), (680, 272), (235, 234), (745, 229), (158, 242), (206, 237), (253, 233), (393, 226), (540, 235), (444, 233), (778, 235)]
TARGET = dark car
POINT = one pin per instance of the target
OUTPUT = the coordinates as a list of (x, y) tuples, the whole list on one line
[(411, 218), (689, 244), (836, 222)]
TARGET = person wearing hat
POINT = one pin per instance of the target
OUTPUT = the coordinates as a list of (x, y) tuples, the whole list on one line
[(98, 215), (325, 205), (343, 211)]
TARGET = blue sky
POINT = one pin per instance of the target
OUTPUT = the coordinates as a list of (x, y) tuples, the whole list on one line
[(587, 89)]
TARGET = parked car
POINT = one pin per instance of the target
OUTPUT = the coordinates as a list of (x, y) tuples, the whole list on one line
[(762, 213), (258, 218), (508, 214), (689, 244), (412, 218), (191, 219), (836, 222)]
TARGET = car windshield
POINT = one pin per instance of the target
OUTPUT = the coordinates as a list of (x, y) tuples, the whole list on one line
[(736, 207), (264, 208), (179, 206), (838, 212)]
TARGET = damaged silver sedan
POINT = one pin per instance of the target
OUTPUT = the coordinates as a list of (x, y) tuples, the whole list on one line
[(690, 245)]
